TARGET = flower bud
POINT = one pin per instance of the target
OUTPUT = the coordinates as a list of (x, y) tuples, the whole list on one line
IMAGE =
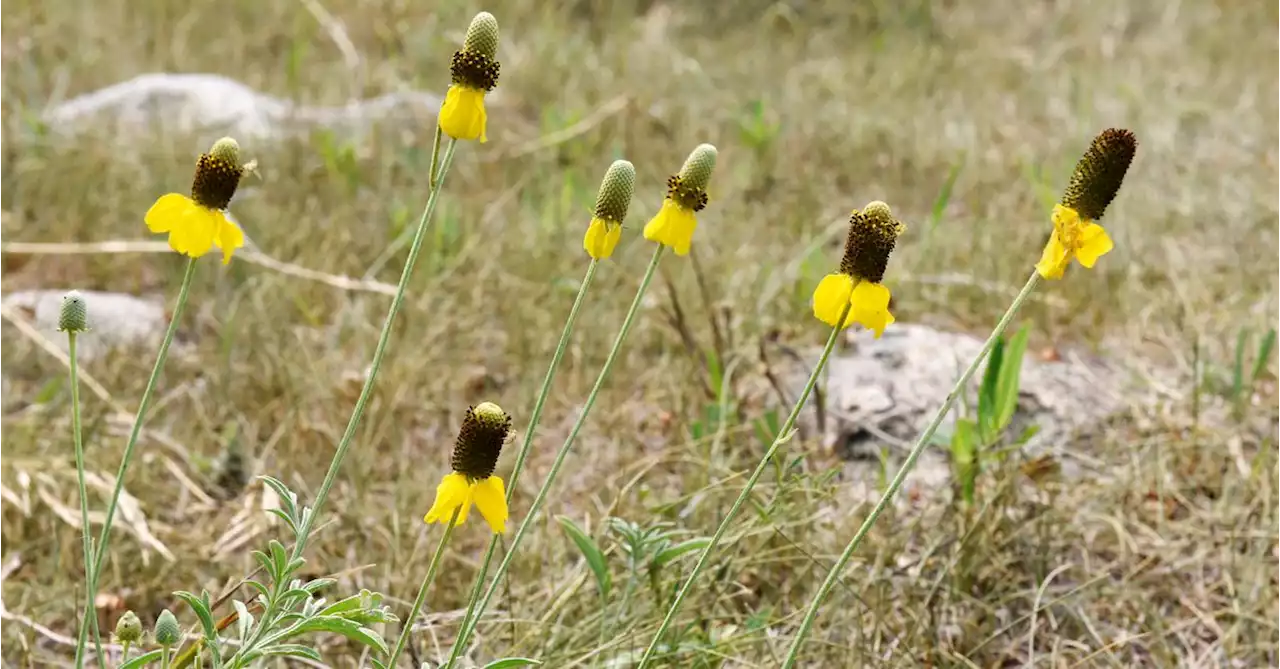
[(167, 633), (74, 314), (128, 628)]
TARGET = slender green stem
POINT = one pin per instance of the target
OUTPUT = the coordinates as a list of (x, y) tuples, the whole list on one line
[(527, 440), (783, 436), (304, 532), (422, 591), (921, 443), (468, 628), (164, 657), (432, 184), (85, 530), (104, 537)]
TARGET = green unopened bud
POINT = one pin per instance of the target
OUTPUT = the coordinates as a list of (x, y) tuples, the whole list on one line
[(128, 628), (1097, 177), (484, 430), (615, 192), (696, 173), (482, 35), (167, 633), (74, 315)]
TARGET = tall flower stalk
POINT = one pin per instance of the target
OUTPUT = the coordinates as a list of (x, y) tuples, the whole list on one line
[(1094, 184), (853, 294)]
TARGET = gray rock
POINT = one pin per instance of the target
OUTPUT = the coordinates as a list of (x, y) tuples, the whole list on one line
[(116, 320)]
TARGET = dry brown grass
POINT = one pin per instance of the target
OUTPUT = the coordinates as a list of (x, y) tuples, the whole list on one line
[(873, 100)]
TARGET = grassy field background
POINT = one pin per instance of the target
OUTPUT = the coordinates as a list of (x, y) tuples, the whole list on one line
[(816, 107)]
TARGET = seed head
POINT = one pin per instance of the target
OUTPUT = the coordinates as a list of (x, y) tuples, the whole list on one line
[(873, 232), (615, 192), (1098, 175), (128, 628), (167, 633), (74, 315), (484, 429), (482, 35), (218, 174)]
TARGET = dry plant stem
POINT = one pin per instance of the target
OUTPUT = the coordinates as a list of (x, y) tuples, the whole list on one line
[(527, 441), (379, 352), (921, 443), (422, 591), (100, 556), (784, 435), (84, 504), (469, 627)]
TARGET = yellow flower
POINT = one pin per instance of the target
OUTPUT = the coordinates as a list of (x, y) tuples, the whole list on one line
[(475, 72), (686, 194), (873, 232), (198, 223), (601, 238), (612, 203), (475, 455), (1072, 238), (1094, 184)]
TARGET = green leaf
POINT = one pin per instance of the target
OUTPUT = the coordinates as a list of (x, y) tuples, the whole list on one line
[(142, 660), (200, 606), (591, 552), (1264, 354), (287, 498), (347, 628), (671, 553), (987, 393), (345, 605), (1009, 381), (267, 565), (244, 619), (964, 457), (291, 650), (511, 662)]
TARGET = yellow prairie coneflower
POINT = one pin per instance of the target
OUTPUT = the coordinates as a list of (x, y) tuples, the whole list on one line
[(611, 209), (198, 223), (475, 455), (686, 194), (475, 72), (1094, 184), (873, 232)]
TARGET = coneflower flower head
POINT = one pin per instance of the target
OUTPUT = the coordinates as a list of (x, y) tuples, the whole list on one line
[(198, 223), (855, 291), (217, 175), (873, 232), (484, 430), (482, 36), (612, 203), (474, 72), (73, 316), (686, 194), (1094, 184)]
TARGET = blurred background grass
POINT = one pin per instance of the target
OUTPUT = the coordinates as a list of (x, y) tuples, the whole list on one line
[(966, 117)]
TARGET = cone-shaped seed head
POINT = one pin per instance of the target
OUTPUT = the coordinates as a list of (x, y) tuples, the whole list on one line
[(484, 430), (1100, 172), (74, 315), (696, 173), (217, 175), (615, 192), (128, 628), (482, 35), (873, 232), (167, 632)]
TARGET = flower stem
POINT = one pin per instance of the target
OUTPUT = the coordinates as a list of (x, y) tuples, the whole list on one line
[(527, 440), (304, 532), (422, 591), (921, 443), (468, 628), (784, 435), (85, 529), (104, 538)]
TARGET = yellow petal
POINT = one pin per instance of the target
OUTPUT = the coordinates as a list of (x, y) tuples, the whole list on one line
[(1054, 260), (463, 115), (167, 211), (830, 298), (230, 237), (194, 232), (871, 307), (601, 238), (1094, 243), (1065, 217), (454, 491), (673, 226), (491, 498)]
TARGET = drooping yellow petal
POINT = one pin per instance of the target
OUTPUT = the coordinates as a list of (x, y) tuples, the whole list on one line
[(193, 234), (165, 214), (463, 115), (830, 298), (673, 226), (871, 307), (491, 498), (229, 238), (601, 238), (1054, 260), (453, 492), (1094, 243)]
